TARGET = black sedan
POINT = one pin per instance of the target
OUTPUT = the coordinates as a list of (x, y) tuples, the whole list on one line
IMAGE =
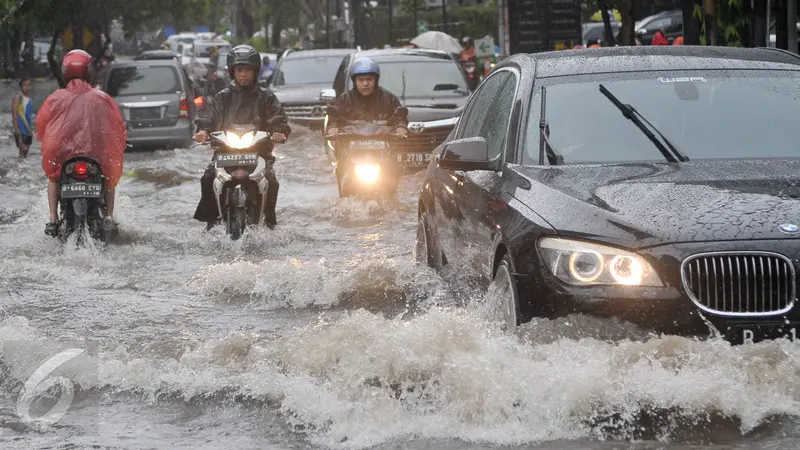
[(655, 184)]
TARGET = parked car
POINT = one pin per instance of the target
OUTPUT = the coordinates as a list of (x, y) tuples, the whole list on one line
[(618, 182), (670, 21), (430, 83), (155, 98), (298, 78)]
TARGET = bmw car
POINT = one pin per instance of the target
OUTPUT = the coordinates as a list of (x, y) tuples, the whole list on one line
[(658, 185)]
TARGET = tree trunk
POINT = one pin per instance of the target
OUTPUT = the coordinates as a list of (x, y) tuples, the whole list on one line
[(759, 26), (608, 35), (54, 67), (627, 34), (711, 21), (691, 26)]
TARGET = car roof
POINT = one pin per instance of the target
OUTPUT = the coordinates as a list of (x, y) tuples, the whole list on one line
[(403, 53), (146, 62), (296, 54), (158, 54), (654, 58)]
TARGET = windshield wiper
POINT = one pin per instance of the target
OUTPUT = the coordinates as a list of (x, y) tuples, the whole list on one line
[(639, 120), (544, 137)]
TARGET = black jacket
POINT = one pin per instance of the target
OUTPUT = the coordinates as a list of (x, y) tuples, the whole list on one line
[(235, 105), (378, 106)]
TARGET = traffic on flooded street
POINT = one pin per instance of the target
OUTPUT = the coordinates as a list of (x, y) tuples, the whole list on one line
[(209, 243)]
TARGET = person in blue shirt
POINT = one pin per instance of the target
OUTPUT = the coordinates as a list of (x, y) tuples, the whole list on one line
[(22, 118)]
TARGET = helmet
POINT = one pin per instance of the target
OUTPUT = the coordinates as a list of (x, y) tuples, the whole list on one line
[(364, 66), (77, 64), (466, 41), (243, 54)]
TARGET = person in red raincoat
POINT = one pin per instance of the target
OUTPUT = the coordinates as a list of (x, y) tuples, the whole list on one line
[(659, 38), (80, 121)]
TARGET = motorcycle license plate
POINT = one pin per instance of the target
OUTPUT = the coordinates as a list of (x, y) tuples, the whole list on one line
[(414, 158), (81, 190), (236, 159), (368, 145)]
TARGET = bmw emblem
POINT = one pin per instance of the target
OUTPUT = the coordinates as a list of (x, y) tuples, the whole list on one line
[(789, 228)]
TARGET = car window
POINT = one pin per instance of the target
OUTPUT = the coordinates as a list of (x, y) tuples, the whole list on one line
[(700, 112), (142, 80), (316, 70), (656, 24), (473, 118), (422, 79), (498, 114)]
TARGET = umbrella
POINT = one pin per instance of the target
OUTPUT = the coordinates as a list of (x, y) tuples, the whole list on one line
[(438, 41)]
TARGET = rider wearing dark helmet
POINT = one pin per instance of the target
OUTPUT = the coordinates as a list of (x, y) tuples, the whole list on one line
[(366, 100), (244, 101)]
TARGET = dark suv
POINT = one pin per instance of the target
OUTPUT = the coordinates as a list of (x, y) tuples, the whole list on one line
[(430, 83), (297, 81)]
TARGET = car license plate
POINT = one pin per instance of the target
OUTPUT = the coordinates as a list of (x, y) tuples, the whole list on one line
[(81, 190), (236, 159), (145, 113), (415, 158), (755, 333), (367, 145)]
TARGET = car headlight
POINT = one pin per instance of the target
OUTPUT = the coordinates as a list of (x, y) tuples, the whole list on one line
[(368, 173), (585, 264), (240, 142)]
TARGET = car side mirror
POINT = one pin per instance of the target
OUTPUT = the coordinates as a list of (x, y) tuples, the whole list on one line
[(466, 154), (327, 95)]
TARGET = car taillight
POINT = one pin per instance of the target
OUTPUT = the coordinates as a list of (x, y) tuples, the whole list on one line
[(183, 112)]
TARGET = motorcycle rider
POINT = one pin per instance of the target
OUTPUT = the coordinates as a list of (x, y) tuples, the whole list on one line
[(366, 100), (80, 121), (244, 101)]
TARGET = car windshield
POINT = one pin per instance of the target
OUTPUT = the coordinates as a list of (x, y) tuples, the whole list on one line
[(319, 70), (123, 81), (705, 114), (434, 78)]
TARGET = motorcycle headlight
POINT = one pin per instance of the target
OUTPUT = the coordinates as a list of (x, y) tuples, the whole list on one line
[(368, 173), (240, 142), (586, 264)]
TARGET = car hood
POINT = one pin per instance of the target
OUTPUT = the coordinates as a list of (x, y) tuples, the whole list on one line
[(639, 205), (426, 109), (305, 94)]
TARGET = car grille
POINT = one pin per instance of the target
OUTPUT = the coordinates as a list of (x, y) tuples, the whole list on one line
[(423, 142), (740, 283), (309, 110)]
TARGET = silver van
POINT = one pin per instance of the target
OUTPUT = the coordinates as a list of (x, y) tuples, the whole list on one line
[(156, 101)]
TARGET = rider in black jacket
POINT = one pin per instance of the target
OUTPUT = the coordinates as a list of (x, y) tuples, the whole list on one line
[(244, 101), (367, 100)]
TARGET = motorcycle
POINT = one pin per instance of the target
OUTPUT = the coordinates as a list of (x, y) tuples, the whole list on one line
[(365, 163), (82, 202), (240, 184)]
